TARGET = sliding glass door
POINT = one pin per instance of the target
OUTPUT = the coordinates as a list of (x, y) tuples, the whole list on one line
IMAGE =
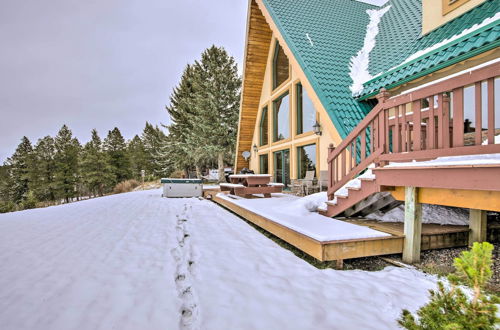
[(282, 166)]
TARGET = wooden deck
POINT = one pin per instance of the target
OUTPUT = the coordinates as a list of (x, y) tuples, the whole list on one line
[(433, 236)]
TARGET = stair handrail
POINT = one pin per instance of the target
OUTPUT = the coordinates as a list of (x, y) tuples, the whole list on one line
[(350, 144)]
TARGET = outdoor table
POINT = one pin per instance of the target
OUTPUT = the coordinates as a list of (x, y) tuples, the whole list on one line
[(249, 184)]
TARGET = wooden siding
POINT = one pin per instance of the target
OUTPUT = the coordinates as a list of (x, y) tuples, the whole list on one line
[(256, 51)]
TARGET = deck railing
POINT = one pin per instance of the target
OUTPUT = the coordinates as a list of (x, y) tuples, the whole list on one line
[(426, 123)]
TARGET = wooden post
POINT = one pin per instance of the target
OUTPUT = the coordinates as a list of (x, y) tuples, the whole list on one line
[(412, 226), (477, 226)]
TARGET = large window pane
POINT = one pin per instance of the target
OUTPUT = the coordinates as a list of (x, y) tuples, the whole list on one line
[(264, 164), (306, 115), (307, 159), (264, 136), (280, 66), (281, 122)]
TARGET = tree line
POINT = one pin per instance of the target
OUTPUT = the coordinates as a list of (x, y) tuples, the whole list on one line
[(203, 111), (60, 169)]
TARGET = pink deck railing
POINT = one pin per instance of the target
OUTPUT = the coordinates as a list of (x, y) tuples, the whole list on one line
[(422, 124)]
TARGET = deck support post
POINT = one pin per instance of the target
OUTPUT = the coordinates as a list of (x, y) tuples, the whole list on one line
[(477, 226), (412, 226)]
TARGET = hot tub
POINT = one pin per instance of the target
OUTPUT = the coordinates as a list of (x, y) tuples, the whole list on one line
[(182, 187)]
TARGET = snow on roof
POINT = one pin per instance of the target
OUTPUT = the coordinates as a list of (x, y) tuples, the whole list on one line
[(359, 64), (292, 212), (447, 41)]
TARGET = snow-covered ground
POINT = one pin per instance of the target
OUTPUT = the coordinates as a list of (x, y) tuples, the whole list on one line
[(139, 261)]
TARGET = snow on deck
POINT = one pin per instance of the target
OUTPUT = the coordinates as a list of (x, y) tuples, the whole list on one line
[(290, 211), (137, 261), (483, 159)]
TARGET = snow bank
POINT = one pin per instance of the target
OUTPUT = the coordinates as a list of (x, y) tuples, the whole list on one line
[(359, 64), (292, 212), (437, 214), (139, 261), (311, 203)]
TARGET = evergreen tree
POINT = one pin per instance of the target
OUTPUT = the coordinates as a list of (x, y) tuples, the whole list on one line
[(6, 203), (19, 171), (451, 308), (43, 170), (66, 164), (137, 157), (97, 173), (218, 95), (116, 148), (153, 139), (184, 115)]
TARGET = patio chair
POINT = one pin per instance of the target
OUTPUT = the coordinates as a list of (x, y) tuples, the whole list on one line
[(322, 183), (303, 186)]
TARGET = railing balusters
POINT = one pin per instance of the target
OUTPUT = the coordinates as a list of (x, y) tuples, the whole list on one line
[(344, 163), (417, 124), (458, 117), (491, 111), (363, 144), (446, 120), (440, 123), (350, 156), (387, 129), (396, 135), (404, 138), (478, 135), (431, 124), (410, 139)]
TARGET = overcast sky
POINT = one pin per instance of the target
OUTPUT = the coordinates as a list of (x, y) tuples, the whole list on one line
[(102, 63)]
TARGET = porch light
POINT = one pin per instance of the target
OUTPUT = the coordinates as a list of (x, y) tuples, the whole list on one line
[(317, 128), (255, 149)]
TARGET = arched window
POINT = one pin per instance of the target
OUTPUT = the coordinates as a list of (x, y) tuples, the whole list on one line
[(280, 66)]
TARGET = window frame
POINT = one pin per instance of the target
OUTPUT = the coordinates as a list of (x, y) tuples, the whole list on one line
[(265, 109), (274, 74), (298, 154), (275, 117), (261, 157)]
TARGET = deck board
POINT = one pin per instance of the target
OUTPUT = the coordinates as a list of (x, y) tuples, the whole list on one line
[(433, 236)]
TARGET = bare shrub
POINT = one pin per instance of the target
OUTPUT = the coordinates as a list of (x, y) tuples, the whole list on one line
[(126, 186)]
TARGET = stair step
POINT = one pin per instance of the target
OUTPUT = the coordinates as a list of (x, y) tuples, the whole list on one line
[(333, 202), (342, 196), (354, 188), (370, 178)]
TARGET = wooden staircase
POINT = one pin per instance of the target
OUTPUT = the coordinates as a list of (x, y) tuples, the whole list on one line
[(424, 124), (360, 197)]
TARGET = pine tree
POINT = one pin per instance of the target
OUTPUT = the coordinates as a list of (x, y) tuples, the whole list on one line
[(66, 164), (183, 116), (137, 155), (6, 203), (19, 171), (451, 308), (218, 95), (97, 173), (43, 170), (153, 139), (116, 148)]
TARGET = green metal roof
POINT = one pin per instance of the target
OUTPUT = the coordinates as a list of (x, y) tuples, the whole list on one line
[(337, 30), (399, 37)]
